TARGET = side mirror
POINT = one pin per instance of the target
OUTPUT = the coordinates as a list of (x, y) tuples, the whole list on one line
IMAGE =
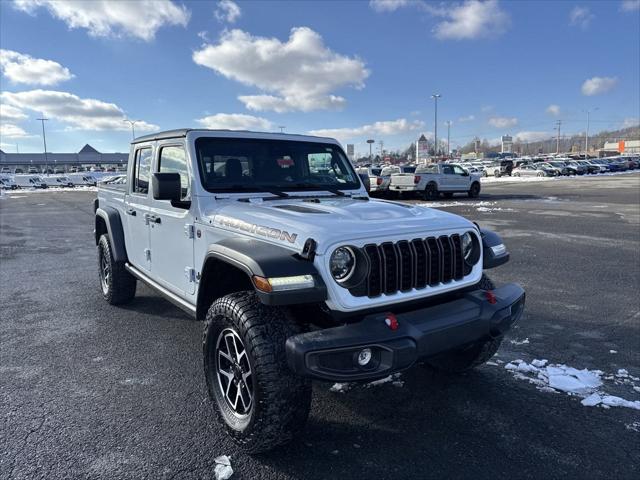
[(465, 174), (365, 180), (166, 186)]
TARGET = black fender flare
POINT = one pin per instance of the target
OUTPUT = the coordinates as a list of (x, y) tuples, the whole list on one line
[(112, 220), (491, 258), (262, 259)]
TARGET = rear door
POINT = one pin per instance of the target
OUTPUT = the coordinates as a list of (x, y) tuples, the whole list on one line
[(171, 226), (136, 210)]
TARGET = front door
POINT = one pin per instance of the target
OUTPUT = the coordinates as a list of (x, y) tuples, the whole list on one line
[(172, 226), (136, 210), (460, 180)]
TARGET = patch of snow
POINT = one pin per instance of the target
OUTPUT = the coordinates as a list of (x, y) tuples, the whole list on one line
[(613, 351), (520, 342), (340, 387), (223, 470), (493, 364), (635, 426), (393, 378), (562, 378)]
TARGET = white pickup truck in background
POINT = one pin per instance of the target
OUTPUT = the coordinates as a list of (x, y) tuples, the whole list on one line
[(431, 180)]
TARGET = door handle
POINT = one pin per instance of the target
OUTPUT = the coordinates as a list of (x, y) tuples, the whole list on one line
[(154, 219), (130, 211)]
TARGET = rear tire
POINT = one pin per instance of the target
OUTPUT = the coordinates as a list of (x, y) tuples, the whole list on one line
[(474, 190), (431, 192), (471, 356), (118, 286), (271, 403)]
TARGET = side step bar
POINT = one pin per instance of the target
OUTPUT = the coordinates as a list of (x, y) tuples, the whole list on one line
[(172, 297)]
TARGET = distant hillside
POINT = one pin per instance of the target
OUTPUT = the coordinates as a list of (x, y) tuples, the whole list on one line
[(567, 143)]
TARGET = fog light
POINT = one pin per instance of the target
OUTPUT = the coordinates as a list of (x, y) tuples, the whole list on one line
[(364, 357)]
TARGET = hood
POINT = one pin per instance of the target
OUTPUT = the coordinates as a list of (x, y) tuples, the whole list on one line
[(290, 222)]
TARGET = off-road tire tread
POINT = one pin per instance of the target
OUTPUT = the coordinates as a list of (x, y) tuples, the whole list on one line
[(285, 399), (123, 284), (474, 356)]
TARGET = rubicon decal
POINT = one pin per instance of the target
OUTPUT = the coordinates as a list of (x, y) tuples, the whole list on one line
[(262, 230)]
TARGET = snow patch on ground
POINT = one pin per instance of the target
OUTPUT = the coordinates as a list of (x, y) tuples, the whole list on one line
[(223, 470), (50, 190), (635, 426), (519, 342), (587, 384), (393, 379)]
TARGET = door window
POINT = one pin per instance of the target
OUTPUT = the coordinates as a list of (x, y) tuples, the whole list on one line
[(458, 170), (173, 159), (447, 169), (141, 171)]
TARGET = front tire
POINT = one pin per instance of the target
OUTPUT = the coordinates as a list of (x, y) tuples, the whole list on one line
[(474, 190), (259, 401), (471, 356), (118, 286)]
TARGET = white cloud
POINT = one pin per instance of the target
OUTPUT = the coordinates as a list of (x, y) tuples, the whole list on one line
[(386, 128), (468, 118), (598, 85), (106, 18), (553, 110), (631, 122), (503, 122), (630, 5), (299, 74), (472, 19), (22, 68), (235, 121), (227, 11), (531, 136), (11, 114), (581, 17), (77, 113), (9, 130), (387, 5)]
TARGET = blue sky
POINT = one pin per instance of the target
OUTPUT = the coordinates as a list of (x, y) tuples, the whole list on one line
[(353, 69)]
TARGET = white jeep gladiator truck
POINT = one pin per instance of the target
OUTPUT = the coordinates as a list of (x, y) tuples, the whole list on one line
[(430, 181), (272, 241)]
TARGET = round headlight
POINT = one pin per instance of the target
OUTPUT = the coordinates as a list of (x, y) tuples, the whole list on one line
[(342, 263), (467, 245)]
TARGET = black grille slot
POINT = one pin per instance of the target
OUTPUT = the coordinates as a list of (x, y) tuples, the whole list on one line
[(414, 264), (391, 270), (374, 281)]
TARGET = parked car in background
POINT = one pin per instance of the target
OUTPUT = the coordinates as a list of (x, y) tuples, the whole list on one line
[(547, 167), (7, 183), (530, 171), (563, 167), (5, 170), (499, 168), (18, 170), (431, 180), (29, 181), (83, 179), (57, 181), (374, 177), (590, 167)]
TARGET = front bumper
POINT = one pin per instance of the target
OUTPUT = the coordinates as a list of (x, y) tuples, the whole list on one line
[(331, 354)]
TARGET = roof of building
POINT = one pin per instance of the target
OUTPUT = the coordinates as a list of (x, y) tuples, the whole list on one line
[(88, 149), (422, 138)]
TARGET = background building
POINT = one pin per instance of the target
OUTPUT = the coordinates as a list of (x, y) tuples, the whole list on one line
[(86, 157), (623, 146), (422, 150)]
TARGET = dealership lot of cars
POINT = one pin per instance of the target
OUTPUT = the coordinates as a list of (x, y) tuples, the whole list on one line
[(90, 391)]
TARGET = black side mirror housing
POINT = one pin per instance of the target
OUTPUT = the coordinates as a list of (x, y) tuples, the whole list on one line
[(166, 186), (365, 180)]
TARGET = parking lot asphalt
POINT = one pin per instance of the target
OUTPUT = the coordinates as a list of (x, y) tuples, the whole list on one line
[(93, 391)]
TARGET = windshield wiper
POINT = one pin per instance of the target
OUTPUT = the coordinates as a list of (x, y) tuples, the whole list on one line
[(335, 191)]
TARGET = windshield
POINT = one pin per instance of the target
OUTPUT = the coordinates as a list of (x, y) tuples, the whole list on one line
[(241, 164)]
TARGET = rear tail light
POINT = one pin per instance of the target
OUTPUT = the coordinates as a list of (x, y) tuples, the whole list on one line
[(416, 179), (379, 181)]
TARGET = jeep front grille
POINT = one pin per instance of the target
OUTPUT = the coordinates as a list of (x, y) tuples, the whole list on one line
[(405, 265)]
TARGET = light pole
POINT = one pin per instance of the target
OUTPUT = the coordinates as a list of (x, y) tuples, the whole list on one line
[(436, 96), (281, 127), (133, 130), (448, 137), (586, 135), (370, 142), (44, 140)]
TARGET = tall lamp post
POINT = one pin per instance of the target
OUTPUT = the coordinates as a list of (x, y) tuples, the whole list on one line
[(448, 137), (44, 140), (133, 130), (436, 96), (586, 134), (370, 142)]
